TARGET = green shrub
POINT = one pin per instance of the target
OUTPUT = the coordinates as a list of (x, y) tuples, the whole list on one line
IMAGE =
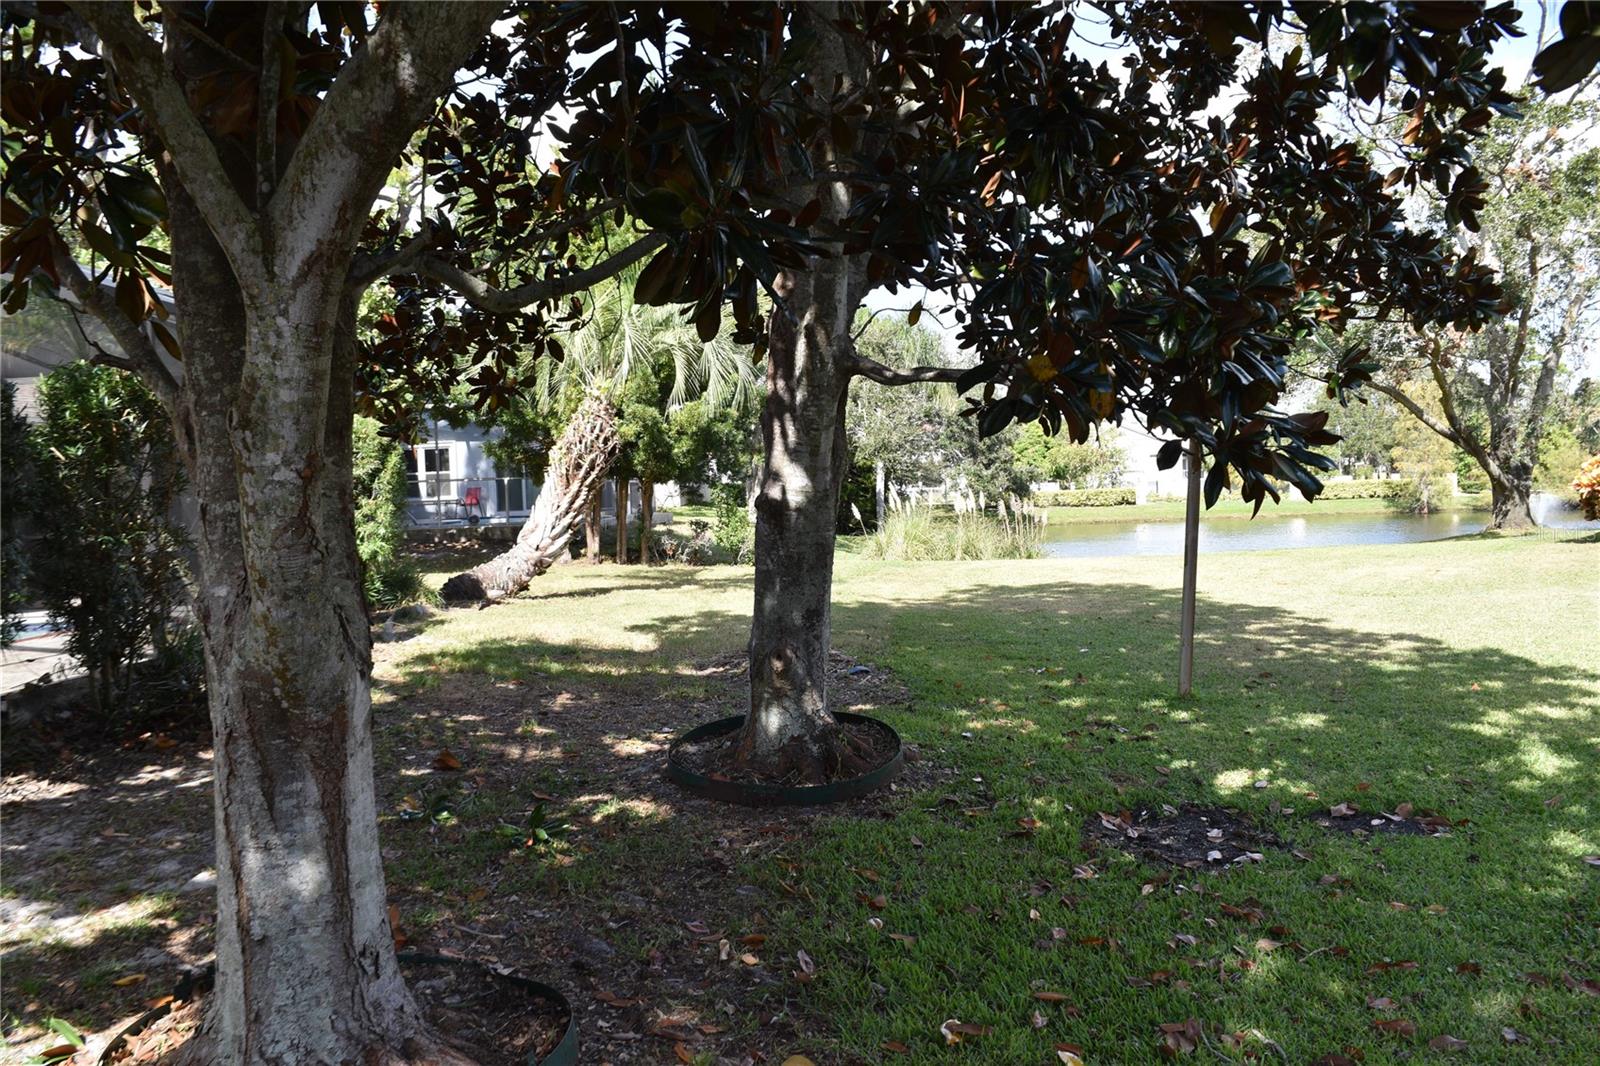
[(19, 497), (923, 533), (731, 528), (107, 563), (1469, 475), (858, 495), (1368, 489), (378, 469), (1114, 497)]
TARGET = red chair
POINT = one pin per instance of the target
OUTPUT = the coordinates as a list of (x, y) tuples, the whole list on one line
[(472, 498)]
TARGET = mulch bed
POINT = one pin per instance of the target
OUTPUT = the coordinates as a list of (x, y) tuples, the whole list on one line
[(1191, 836), (712, 757)]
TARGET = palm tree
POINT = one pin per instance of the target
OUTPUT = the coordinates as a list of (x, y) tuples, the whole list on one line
[(630, 351), (619, 351)]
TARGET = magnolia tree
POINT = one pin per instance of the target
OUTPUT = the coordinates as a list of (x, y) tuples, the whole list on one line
[(1114, 249), (257, 141)]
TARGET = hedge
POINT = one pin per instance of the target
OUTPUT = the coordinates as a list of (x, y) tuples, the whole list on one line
[(1364, 489), (1085, 498)]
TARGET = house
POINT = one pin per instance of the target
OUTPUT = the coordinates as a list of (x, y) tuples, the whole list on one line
[(453, 482)]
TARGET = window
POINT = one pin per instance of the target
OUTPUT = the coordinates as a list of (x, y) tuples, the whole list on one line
[(434, 482)]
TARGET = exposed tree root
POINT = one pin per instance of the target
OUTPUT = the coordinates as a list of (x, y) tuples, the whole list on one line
[(828, 753)]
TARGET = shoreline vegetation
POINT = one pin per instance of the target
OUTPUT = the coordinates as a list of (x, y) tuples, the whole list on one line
[(1169, 510)]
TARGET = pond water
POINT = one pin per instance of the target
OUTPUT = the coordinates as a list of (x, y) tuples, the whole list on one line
[(1064, 540)]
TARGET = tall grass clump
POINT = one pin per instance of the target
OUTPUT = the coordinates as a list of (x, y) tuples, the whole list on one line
[(965, 529)]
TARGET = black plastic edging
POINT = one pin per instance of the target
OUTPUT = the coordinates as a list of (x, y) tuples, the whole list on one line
[(761, 794)]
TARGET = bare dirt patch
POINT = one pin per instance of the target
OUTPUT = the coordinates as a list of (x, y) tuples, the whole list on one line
[(649, 908), (1191, 836)]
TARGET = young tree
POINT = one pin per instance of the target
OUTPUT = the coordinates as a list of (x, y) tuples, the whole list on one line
[(1422, 455), (1097, 464), (108, 561)]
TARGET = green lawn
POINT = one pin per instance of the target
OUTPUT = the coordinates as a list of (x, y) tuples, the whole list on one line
[(1457, 676), (1292, 505)]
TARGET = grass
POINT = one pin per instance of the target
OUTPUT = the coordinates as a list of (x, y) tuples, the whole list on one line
[(1292, 506), (1457, 676)]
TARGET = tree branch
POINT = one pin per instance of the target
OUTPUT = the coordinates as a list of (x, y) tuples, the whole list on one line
[(369, 268), (1418, 412), (267, 89), (139, 64), (859, 365), (486, 297), (377, 101), (139, 353)]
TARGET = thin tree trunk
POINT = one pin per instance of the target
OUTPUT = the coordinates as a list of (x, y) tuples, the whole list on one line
[(577, 464), (622, 520), (880, 493), (591, 529), (647, 515)]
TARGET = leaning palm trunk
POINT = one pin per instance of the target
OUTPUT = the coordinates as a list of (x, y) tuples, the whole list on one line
[(588, 446)]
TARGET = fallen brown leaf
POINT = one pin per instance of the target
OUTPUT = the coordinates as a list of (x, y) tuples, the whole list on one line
[(1395, 1026), (446, 760), (954, 1030), (1446, 1042)]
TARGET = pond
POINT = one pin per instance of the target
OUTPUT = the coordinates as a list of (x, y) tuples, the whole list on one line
[(1065, 540)]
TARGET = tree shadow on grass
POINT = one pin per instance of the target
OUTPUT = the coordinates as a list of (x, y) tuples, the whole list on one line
[(1044, 703), (1050, 702)]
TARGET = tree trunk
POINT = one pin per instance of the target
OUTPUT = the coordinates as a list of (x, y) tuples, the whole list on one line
[(789, 731), (622, 520), (578, 461), (591, 529), (1509, 507), (306, 971), (880, 493), (647, 515)]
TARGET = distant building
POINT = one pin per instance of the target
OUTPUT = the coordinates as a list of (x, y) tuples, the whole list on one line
[(452, 481), (1147, 479)]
